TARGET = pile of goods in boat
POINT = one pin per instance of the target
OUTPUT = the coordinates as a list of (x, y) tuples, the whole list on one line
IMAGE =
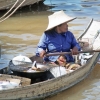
[(23, 63)]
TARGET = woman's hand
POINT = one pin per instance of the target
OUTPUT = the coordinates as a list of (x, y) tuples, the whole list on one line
[(42, 53), (74, 51)]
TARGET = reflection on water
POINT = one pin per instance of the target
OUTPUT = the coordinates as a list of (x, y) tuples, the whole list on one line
[(20, 34), (93, 93)]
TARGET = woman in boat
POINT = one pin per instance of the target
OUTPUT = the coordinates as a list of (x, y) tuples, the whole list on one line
[(57, 38)]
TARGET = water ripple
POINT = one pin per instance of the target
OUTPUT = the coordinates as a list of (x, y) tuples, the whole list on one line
[(82, 8)]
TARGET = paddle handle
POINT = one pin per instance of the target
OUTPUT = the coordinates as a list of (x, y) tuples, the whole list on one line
[(63, 53)]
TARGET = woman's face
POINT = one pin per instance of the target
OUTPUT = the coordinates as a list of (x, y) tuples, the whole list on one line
[(63, 27)]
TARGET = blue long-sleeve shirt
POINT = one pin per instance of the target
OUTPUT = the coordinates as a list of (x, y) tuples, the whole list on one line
[(51, 41)]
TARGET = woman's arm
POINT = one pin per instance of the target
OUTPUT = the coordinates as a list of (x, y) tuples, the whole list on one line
[(42, 46)]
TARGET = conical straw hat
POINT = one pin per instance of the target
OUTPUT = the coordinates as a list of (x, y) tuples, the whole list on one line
[(58, 18)]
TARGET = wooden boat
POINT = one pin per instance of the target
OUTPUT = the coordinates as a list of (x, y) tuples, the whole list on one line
[(58, 84), (6, 4)]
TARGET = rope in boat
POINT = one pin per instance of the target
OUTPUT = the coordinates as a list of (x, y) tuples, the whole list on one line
[(12, 11)]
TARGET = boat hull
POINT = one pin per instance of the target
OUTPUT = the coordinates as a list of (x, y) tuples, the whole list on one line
[(52, 86)]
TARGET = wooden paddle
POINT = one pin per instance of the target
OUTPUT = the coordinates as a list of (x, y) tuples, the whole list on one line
[(63, 53)]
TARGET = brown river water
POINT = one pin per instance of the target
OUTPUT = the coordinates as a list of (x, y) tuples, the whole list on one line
[(20, 34)]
